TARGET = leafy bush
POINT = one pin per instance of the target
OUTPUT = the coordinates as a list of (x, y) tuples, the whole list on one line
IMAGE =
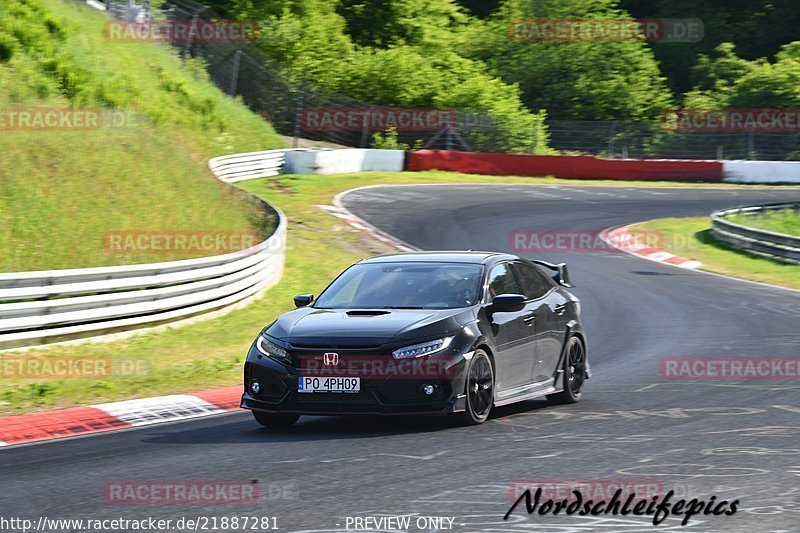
[(7, 46), (389, 141)]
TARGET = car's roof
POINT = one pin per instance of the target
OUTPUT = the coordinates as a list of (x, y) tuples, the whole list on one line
[(441, 257)]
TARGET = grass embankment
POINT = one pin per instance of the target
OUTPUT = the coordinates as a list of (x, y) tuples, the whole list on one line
[(691, 238), (62, 190), (210, 353), (785, 221)]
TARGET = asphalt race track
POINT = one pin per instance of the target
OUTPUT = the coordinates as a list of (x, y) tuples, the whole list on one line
[(734, 440)]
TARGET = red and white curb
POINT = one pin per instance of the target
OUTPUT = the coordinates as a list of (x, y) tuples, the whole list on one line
[(622, 239), (33, 427)]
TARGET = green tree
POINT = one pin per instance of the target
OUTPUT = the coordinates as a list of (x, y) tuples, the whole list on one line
[(730, 81), (572, 80), (409, 59), (758, 28), (402, 22)]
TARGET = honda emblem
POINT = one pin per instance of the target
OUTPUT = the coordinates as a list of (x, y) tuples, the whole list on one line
[(330, 358)]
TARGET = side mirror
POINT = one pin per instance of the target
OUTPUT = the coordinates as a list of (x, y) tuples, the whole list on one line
[(302, 300), (508, 302)]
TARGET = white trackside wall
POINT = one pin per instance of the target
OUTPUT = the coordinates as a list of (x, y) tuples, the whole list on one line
[(761, 171), (237, 167), (349, 160), (344, 161)]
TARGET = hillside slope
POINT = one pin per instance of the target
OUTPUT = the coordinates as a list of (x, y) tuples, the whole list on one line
[(63, 190)]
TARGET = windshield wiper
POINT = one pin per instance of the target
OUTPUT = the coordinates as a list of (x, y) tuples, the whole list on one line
[(401, 307)]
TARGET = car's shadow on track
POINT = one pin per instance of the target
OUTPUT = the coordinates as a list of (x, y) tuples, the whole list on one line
[(651, 273), (243, 429)]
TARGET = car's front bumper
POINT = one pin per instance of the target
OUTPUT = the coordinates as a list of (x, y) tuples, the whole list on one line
[(321, 405), (398, 393)]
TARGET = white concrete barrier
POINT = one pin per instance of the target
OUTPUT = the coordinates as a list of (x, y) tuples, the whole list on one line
[(301, 162), (761, 171), (344, 161), (383, 160)]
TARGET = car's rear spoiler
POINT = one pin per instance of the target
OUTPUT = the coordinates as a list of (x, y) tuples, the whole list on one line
[(561, 275)]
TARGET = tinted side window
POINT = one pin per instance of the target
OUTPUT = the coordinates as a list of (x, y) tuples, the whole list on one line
[(533, 283), (501, 281)]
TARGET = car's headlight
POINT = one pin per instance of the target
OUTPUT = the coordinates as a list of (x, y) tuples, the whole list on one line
[(269, 348), (424, 348)]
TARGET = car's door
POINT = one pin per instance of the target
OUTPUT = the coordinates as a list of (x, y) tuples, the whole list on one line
[(547, 306), (514, 357)]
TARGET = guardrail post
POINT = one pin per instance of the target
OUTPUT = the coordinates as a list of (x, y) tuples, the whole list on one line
[(363, 143), (237, 59), (192, 31), (297, 112), (611, 133)]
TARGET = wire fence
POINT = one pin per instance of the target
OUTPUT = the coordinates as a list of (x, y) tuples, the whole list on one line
[(646, 140), (301, 110)]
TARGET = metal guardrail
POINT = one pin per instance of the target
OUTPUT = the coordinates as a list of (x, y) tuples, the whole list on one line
[(777, 246), (49, 306), (251, 165)]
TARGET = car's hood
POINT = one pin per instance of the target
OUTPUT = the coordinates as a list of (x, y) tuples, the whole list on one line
[(363, 327)]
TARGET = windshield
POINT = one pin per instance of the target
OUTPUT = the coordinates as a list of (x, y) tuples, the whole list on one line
[(413, 285)]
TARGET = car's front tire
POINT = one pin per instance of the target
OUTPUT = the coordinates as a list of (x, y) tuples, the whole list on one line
[(275, 420), (479, 389), (574, 374)]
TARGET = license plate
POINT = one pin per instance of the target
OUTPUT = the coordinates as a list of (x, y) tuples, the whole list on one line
[(321, 384)]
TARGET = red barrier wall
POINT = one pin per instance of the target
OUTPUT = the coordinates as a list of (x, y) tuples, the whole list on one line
[(577, 167)]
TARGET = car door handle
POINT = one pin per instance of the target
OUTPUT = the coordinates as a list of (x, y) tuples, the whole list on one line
[(529, 319), (561, 308)]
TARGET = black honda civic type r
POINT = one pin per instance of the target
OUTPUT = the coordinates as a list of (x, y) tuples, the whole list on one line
[(422, 333)]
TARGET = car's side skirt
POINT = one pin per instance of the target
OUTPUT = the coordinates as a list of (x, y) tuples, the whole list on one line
[(527, 392)]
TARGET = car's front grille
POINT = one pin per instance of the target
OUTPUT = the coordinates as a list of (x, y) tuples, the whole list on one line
[(329, 347), (348, 362)]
